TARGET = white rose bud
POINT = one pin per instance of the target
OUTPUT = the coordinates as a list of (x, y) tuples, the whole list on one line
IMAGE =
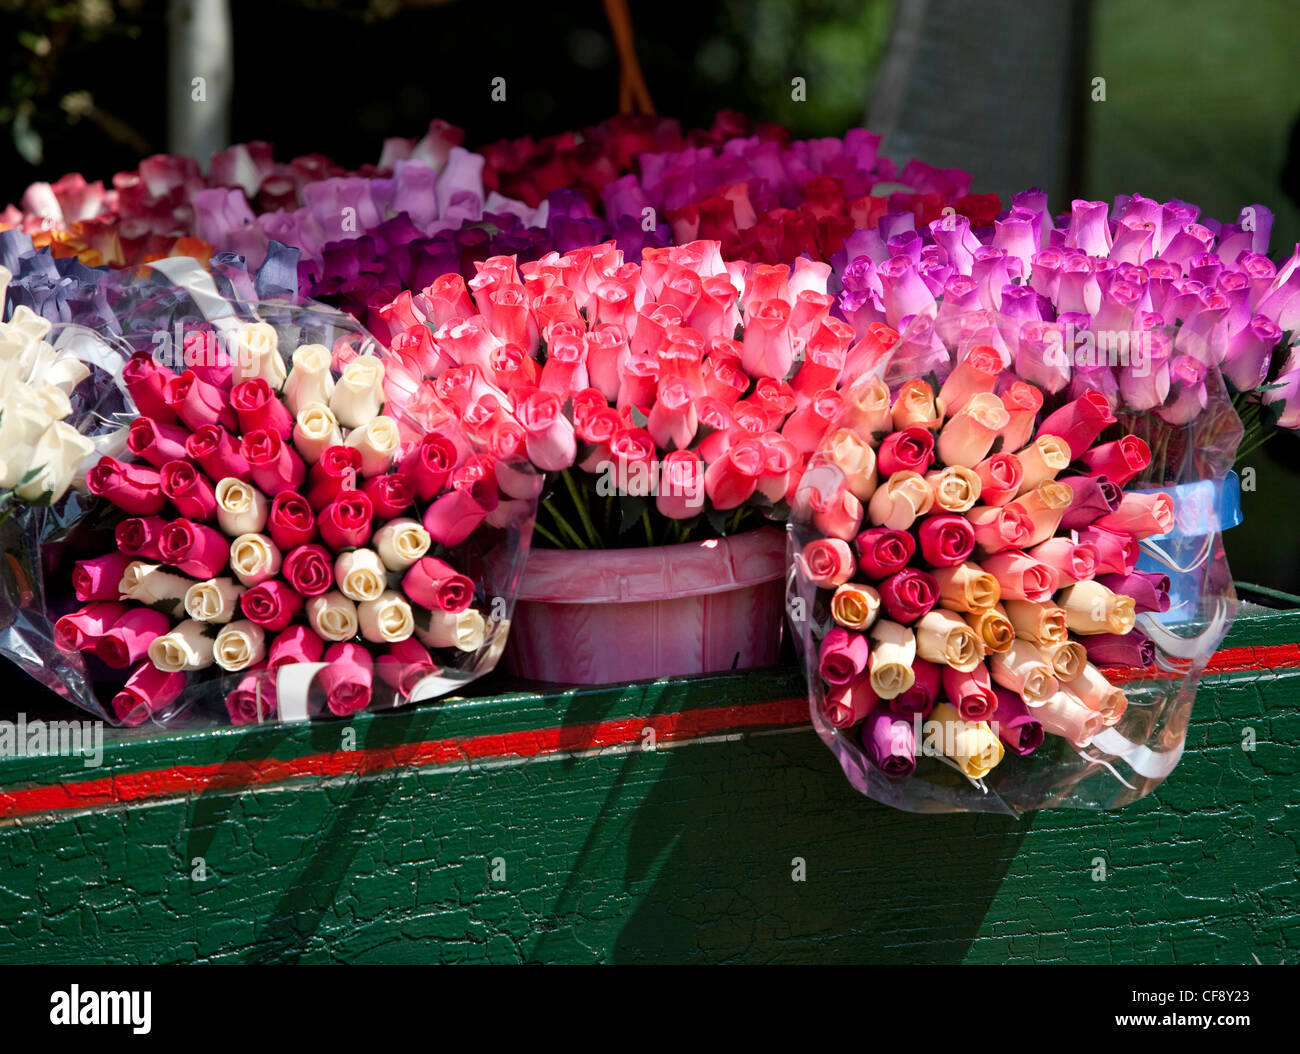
[(240, 645), (360, 574), (254, 558), (150, 585), (315, 430), (401, 542), (66, 373), (58, 453), (310, 380), (333, 616), (215, 600), (377, 442), (387, 619), (53, 402), (186, 647), (241, 507), (464, 630), (359, 395), (257, 354)]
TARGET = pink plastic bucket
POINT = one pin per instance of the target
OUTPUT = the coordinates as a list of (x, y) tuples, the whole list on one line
[(615, 615)]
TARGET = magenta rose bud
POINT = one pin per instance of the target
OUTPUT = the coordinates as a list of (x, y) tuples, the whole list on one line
[(217, 453), (127, 642), (1119, 461), (135, 489), (253, 700), (946, 540), (272, 462), (272, 604), (294, 645), (391, 494), (196, 550), (198, 403), (1094, 497), (889, 741), (1117, 552), (457, 514), (309, 569), (347, 679), (1246, 361), (911, 450), (971, 693), (842, 656), (1080, 421), (189, 490), (260, 409), (827, 562), (147, 691), (1149, 589), (156, 443), (82, 630), (847, 704), (345, 522), (921, 697), (882, 551), (334, 473), (1015, 724), (405, 665), (98, 579), (908, 594), (141, 537), (429, 465), (146, 381), (1134, 648), (291, 521), (435, 585)]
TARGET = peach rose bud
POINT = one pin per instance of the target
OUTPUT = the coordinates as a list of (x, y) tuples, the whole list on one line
[(968, 435), (966, 587), (1023, 670), (856, 459), (1067, 659), (855, 606), (900, 500), (970, 745), (1042, 460), (1092, 608), (942, 637), (974, 375), (867, 407), (915, 406), (1092, 689), (956, 488), (1043, 624), (992, 627), (1074, 561), (996, 529), (1021, 577), (1063, 715), (1045, 505), (893, 649)]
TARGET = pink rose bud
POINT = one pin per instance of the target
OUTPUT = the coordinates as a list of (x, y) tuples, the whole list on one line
[(911, 450), (673, 419), (680, 494), (146, 381), (127, 642), (272, 462), (806, 426), (198, 551), (295, 645), (767, 349), (335, 473), (827, 562), (920, 697), (842, 656), (883, 551), (347, 679), (1117, 551), (971, 693), (946, 540), (405, 665), (147, 691), (1119, 461), (198, 403), (345, 523), (1000, 478), (98, 579), (978, 372), (391, 494), (154, 442), (1021, 577), (1073, 561), (1079, 422), (996, 529), (217, 453), (457, 514), (272, 604), (1141, 515), (82, 630), (550, 438), (189, 490), (436, 585), (731, 480), (1022, 402), (291, 521), (135, 489), (260, 409), (847, 704), (253, 700)]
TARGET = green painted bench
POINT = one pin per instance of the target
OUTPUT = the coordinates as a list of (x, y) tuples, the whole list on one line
[(521, 826)]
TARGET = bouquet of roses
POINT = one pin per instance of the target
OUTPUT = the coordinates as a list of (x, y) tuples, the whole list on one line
[(966, 582)]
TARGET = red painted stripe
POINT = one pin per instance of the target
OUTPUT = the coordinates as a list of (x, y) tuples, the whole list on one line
[(156, 784)]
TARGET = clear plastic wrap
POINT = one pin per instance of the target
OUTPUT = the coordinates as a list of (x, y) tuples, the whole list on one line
[(397, 651), (1192, 432)]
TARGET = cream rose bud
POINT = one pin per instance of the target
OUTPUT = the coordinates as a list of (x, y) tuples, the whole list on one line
[(401, 542), (186, 647), (66, 372), (359, 395), (241, 507), (956, 488), (377, 441), (239, 645), (463, 630), (387, 619), (943, 637), (54, 402), (360, 574), (254, 558), (314, 430), (333, 616), (150, 585), (215, 600), (56, 456), (900, 500), (257, 354), (310, 379)]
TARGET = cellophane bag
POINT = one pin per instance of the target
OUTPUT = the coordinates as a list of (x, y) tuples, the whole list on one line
[(1049, 655), (279, 532)]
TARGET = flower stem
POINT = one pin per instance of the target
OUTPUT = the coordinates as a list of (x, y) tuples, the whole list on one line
[(537, 526), (649, 531), (564, 526), (584, 513)]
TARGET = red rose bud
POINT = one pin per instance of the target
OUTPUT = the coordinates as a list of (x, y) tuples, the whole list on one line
[(435, 585), (345, 522), (98, 579), (429, 465), (147, 691), (1080, 421), (146, 381), (198, 403), (1000, 478), (911, 450), (82, 630), (271, 604), (390, 494), (1119, 461), (842, 656), (348, 678), (156, 443), (260, 409), (135, 489), (198, 551), (946, 540), (908, 594), (273, 464), (334, 473), (189, 490), (140, 537), (407, 663), (127, 642), (291, 521), (971, 693), (217, 453), (309, 569), (294, 645), (883, 551)]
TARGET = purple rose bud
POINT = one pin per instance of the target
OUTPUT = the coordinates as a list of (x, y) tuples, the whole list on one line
[(889, 742), (1016, 726), (1149, 589), (1094, 496), (1187, 395), (1133, 240), (1127, 649), (1089, 227), (1249, 353), (903, 290)]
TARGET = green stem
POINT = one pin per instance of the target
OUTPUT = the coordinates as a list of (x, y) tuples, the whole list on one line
[(735, 520), (537, 526), (563, 525), (649, 531), (584, 514)]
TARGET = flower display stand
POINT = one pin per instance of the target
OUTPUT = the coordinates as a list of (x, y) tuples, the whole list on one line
[(692, 819)]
